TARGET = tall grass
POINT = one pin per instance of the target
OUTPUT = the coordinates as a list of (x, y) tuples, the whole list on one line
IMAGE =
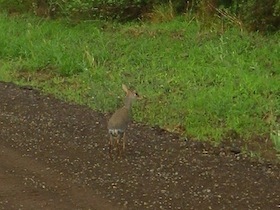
[(201, 83)]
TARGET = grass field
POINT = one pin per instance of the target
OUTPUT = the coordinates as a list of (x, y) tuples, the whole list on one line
[(203, 83)]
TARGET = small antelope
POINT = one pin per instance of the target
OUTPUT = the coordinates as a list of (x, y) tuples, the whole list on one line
[(119, 121)]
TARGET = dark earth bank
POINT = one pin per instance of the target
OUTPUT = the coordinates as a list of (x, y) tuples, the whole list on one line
[(54, 156)]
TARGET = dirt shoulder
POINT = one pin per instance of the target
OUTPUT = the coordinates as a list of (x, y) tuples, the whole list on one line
[(53, 156)]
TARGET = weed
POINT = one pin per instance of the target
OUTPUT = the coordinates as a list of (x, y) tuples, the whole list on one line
[(161, 13), (199, 84)]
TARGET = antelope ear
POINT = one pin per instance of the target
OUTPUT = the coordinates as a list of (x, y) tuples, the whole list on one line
[(124, 88)]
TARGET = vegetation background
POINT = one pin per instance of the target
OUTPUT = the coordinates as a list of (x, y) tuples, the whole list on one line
[(208, 69), (255, 14)]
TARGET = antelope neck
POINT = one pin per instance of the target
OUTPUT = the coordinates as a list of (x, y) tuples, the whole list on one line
[(127, 103)]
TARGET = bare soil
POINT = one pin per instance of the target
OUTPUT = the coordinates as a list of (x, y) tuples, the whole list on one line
[(54, 156)]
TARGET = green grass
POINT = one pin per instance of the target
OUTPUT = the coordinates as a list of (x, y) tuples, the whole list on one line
[(201, 83)]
